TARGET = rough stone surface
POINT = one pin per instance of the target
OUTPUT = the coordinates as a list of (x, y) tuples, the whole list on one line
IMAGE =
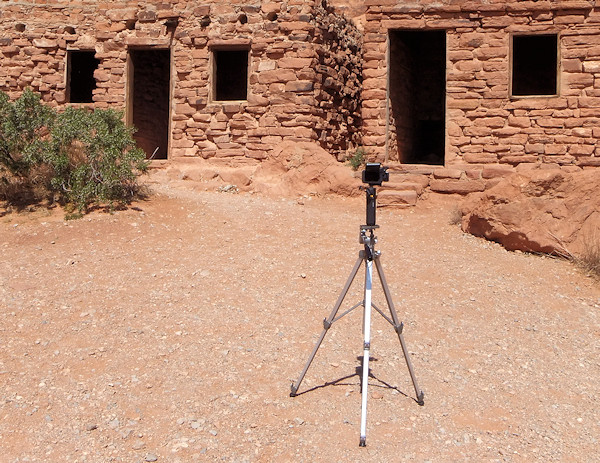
[(546, 211), (293, 169), (397, 198), (484, 124), (305, 67), (318, 72), (462, 187)]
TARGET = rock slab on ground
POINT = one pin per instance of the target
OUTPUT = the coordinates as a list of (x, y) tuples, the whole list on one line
[(548, 211), (295, 168)]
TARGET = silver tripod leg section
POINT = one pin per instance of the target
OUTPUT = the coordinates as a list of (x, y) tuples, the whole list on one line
[(398, 327), (366, 351), (327, 324)]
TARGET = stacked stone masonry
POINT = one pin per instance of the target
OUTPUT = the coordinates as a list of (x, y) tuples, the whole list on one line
[(488, 132), (312, 75), (304, 68)]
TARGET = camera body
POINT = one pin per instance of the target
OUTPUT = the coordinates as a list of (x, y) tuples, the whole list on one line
[(374, 174)]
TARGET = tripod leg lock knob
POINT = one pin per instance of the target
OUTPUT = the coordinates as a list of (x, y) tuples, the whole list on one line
[(326, 324), (399, 328)]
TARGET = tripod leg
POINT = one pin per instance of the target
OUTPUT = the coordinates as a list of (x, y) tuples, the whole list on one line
[(366, 351), (327, 324), (398, 327)]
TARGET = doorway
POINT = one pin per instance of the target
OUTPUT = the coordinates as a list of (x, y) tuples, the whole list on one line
[(417, 97), (149, 90)]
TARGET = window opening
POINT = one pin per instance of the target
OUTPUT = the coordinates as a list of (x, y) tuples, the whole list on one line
[(81, 81), (230, 75), (534, 65)]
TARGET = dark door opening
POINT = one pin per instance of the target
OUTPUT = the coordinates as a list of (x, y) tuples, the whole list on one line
[(149, 93), (417, 97)]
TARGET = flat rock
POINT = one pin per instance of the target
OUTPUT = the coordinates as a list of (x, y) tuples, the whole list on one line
[(397, 198), (548, 211), (297, 168)]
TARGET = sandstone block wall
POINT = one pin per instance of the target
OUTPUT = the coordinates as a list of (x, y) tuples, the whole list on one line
[(312, 76), (304, 70), (339, 81), (488, 133)]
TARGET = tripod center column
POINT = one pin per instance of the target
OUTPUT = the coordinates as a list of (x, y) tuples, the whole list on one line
[(366, 349)]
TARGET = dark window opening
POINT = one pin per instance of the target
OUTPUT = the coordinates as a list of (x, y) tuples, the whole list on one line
[(417, 97), (149, 83), (534, 65), (230, 75), (81, 81)]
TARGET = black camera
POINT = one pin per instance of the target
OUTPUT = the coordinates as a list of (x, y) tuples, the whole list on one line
[(374, 174)]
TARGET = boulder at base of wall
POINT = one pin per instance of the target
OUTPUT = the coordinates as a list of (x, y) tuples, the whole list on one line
[(548, 211), (300, 168)]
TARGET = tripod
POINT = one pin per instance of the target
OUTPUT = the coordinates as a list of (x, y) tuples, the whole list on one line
[(368, 255)]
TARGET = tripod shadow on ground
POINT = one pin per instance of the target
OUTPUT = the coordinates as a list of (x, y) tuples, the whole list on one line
[(344, 381)]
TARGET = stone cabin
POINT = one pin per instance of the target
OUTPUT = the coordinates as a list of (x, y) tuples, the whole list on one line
[(454, 94), (481, 88), (221, 79)]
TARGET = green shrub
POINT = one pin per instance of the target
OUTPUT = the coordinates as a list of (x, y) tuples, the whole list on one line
[(358, 158), (24, 128), (94, 157), (78, 157)]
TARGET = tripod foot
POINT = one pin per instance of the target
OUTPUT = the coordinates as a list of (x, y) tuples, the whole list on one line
[(293, 391), (363, 441), (421, 399)]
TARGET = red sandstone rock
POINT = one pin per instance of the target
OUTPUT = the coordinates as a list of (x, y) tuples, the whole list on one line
[(298, 168), (397, 198), (451, 186), (549, 211), (447, 173)]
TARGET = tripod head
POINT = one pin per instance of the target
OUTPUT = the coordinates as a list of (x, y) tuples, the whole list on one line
[(368, 241), (373, 175)]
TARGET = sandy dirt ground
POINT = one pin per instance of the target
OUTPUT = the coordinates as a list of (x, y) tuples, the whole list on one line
[(172, 331)]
